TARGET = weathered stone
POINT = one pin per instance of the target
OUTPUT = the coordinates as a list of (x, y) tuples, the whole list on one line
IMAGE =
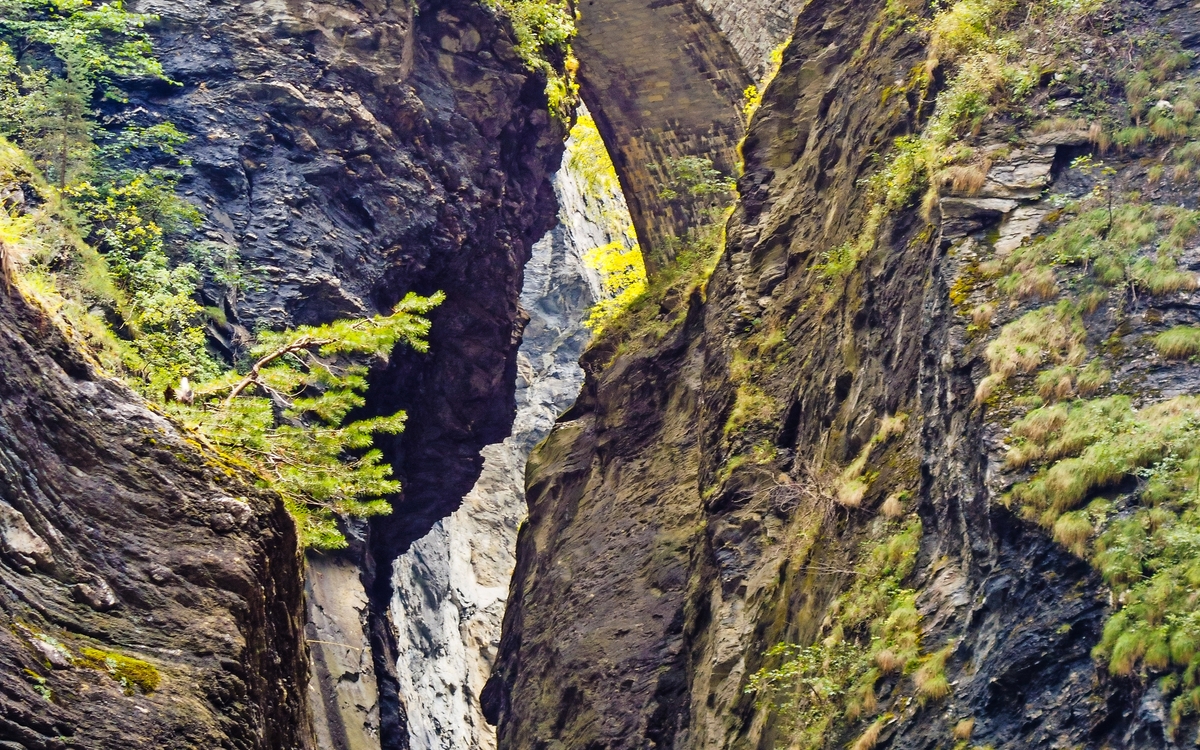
[(19, 541), (342, 690), (101, 481), (451, 585)]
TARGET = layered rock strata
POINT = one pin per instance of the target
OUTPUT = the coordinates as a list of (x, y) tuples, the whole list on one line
[(451, 585), (685, 514), (150, 595)]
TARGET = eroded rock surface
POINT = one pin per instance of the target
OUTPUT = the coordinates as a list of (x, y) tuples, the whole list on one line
[(451, 585), (149, 594), (669, 545)]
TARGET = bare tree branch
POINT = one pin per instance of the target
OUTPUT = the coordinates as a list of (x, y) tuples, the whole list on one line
[(301, 344)]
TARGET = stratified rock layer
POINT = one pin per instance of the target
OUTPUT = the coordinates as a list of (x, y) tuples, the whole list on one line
[(120, 539), (670, 545), (451, 585)]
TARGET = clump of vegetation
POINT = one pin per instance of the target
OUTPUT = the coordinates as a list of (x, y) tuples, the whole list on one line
[(751, 405), (1141, 537), (752, 96), (544, 30), (664, 302), (619, 263), (1132, 246), (872, 633), (1053, 334), (132, 674), (855, 479), (696, 183), (1180, 342)]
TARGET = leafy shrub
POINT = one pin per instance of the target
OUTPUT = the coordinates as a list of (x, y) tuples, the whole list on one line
[(543, 30)]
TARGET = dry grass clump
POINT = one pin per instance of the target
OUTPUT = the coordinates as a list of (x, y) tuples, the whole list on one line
[(889, 662), (1067, 125), (851, 492), (893, 506), (982, 315), (1051, 334), (965, 179), (1180, 342), (1073, 530), (964, 729), (930, 679), (870, 738), (1038, 282), (854, 482)]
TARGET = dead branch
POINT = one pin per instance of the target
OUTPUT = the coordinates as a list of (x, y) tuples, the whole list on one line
[(301, 344)]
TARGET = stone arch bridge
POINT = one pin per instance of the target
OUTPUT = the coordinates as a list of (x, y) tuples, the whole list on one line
[(665, 79)]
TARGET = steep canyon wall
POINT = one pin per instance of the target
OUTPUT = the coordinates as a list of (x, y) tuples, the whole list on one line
[(692, 509)]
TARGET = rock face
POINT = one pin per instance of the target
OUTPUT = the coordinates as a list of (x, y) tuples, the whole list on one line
[(149, 595), (451, 585), (350, 153), (754, 28), (343, 692), (669, 545)]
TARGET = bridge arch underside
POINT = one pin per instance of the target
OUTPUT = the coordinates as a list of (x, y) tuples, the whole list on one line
[(662, 82)]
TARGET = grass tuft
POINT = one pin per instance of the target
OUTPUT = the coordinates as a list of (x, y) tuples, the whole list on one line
[(1181, 342)]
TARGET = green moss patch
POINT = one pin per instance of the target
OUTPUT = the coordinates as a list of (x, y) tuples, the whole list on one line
[(133, 674)]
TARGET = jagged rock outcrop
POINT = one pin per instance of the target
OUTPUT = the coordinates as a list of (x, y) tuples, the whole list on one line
[(451, 585), (351, 153), (685, 516), (754, 28), (150, 595)]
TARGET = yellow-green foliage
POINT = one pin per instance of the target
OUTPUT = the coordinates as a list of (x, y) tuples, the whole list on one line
[(622, 277), (543, 30), (855, 480), (664, 303), (1052, 334), (321, 462), (753, 93), (588, 157), (872, 632), (1131, 244), (619, 264), (967, 26), (751, 405), (133, 674), (1147, 552), (1179, 342)]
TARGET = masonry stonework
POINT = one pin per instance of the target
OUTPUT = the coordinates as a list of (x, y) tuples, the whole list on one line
[(662, 83)]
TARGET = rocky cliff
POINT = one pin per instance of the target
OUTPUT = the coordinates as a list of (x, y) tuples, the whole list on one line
[(150, 596), (451, 585), (351, 153), (787, 509)]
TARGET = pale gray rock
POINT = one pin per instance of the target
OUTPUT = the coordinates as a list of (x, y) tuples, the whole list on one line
[(451, 586)]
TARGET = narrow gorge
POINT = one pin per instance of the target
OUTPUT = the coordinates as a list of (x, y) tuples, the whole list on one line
[(599, 374)]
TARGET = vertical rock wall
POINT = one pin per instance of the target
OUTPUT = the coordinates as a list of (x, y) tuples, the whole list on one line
[(754, 27), (451, 585)]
